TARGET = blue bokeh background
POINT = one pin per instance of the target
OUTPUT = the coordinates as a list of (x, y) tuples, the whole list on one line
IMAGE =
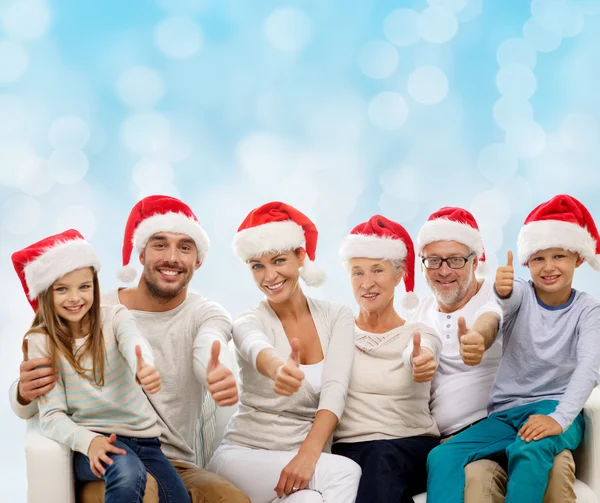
[(343, 109)]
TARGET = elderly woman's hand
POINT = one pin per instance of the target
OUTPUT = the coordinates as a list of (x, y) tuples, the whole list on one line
[(423, 362)]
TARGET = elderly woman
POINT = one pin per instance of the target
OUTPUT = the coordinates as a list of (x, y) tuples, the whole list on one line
[(387, 427), (295, 357)]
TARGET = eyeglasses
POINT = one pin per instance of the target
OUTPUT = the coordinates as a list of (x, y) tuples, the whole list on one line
[(453, 262)]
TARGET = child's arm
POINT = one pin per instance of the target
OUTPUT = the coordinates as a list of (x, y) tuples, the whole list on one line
[(508, 291), (54, 420)]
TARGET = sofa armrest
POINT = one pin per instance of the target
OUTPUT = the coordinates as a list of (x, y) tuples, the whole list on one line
[(50, 476), (587, 456)]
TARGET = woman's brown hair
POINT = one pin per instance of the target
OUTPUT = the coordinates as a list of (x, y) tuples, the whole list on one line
[(60, 338)]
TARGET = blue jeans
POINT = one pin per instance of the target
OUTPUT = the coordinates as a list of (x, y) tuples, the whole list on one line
[(529, 463), (125, 479), (392, 470)]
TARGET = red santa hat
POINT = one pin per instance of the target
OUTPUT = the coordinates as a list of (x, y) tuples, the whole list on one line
[(380, 238), (41, 264), (155, 214), (453, 224), (561, 222), (276, 227)]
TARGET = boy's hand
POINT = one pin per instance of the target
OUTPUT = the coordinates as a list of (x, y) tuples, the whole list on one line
[(472, 344), (147, 374), (98, 453), (221, 383), (422, 360), (505, 276), (539, 426)]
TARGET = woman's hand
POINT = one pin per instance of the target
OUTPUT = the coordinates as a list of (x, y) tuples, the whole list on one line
[(296, 475), (288, 377)]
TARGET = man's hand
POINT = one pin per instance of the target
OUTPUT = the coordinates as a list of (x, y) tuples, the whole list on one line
[(147, 374), (472, 344), (36, 377), (98, 453), (422, 360), (505, 276), (221, 383), (539, 426), (289, 377)]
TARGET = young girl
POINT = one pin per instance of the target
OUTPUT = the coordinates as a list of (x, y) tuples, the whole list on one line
[(96, 407)]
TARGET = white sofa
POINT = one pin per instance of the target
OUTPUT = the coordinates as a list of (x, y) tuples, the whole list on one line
[(50, 477)]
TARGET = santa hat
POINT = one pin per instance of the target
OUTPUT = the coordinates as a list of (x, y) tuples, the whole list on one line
[(276, 227), (42, 263), (380, 238), (562, 222), (155, 214), (453, 224)]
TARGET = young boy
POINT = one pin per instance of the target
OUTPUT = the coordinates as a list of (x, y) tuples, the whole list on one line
[(551, 356)]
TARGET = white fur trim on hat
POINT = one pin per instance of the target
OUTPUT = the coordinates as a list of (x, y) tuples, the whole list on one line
[(171, 222), (443, 229), (57, 261), (265, 238), (312, 274), (361, 245), (545, 234)]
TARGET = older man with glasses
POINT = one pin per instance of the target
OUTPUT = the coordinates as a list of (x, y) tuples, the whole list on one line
[(467, 317)]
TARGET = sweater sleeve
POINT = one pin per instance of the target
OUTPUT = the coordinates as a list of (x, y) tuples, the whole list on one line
[(510, 305), (215, 325), (249, 336), (585, 376), (128, 336), (429, 339), (338, 362), (55, 422), (22, 411)]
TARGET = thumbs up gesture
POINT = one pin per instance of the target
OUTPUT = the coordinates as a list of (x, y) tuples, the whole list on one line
[(505, 275), (422, 360), (146, 374), (221, 383), (472, 344), (288, 377)]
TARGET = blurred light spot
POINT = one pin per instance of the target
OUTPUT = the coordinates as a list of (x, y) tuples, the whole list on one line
[(428, 85), (455, 5), (509, 111), (13, 115), (378, 59), (26, 19), (13, 62), (145, 133), (288, 29), (516, 81), (388, 111), (437, 25), (97, 140), (492, 238), (426, 54), (178, 37), (579, 132), (471, 12), (560, 17), (526, 140), (405, 182), (21, 214), (398, 209), (400, 27), (183, 6), (78, 217), (149, 172), (68, 165), (33, 176), (301, 191), (69, 132), (516, 50), (262, 154), (539, 37), (167, 189), (12, 155), (496, 163), (518, 192), (140, 87), (491, 209)]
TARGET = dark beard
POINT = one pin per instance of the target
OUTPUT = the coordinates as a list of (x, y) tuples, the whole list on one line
[(160, 295)]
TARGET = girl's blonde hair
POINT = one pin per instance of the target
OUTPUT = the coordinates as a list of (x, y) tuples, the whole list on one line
[(60, 338)]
